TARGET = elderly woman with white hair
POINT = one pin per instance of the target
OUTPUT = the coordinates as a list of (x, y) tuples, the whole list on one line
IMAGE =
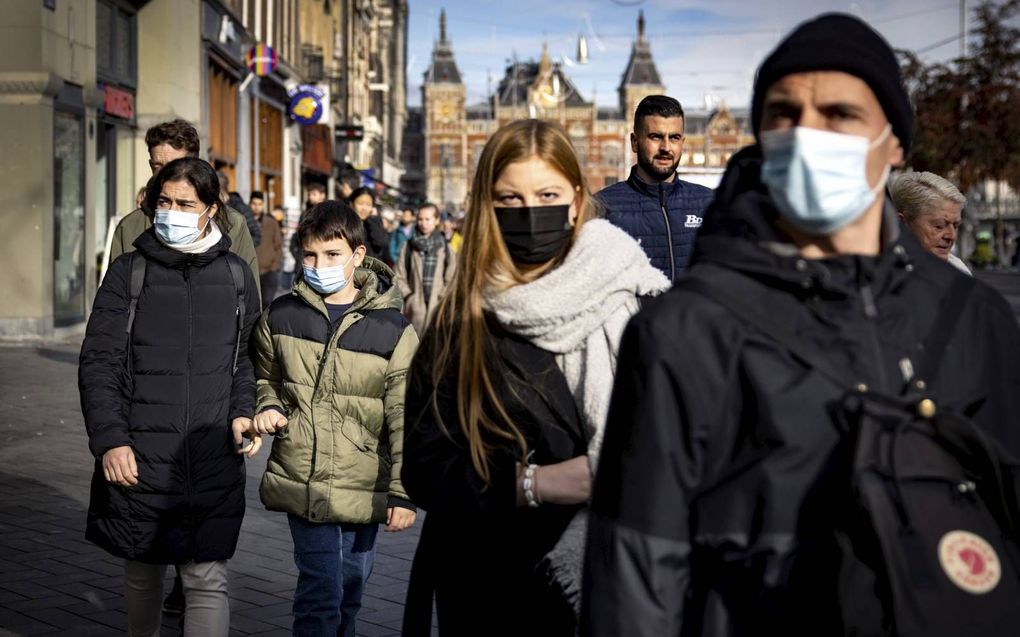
[(932, 207)]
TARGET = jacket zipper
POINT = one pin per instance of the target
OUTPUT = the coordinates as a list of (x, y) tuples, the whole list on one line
[(187, 414), (669, 236), (871, 313)]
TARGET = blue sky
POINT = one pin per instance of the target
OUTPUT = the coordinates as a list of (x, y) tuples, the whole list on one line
[(701, 47)]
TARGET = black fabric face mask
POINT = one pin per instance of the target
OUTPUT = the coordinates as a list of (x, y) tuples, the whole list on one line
[(535, 234)]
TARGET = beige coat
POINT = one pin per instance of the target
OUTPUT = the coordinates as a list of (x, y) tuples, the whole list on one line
[(417, 308)]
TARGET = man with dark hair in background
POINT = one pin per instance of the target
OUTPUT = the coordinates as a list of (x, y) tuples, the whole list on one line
[(166, 142), (316, 194), (348, 182), (654, 206), (269, 250)]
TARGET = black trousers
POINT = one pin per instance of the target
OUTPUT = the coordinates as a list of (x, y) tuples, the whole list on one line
[(268, 283)]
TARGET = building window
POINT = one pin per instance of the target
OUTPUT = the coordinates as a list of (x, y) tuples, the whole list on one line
[(116, 44), (612, 154), (580, 143), (68, 218), (699, 159)]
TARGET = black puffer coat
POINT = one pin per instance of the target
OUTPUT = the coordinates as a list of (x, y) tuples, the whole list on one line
[(176, 408), (716, 436)]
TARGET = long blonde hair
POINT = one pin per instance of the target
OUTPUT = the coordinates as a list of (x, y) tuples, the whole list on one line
[(459, 335)]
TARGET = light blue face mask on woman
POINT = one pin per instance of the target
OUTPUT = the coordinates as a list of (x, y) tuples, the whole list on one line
[(818, 179), (327, 280), (177, 228)]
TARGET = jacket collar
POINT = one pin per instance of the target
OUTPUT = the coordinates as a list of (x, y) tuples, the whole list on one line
[(148, 244), (656, 191)]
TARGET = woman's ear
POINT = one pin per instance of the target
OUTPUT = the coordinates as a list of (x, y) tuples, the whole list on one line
[(575, 206)]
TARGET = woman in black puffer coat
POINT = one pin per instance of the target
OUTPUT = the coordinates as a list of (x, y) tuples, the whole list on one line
[(166, 400)]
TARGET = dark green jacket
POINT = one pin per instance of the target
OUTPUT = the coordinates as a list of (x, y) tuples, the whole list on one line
[(342, 388)]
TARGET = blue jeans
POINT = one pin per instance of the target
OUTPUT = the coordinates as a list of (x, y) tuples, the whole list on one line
[(334, 562)]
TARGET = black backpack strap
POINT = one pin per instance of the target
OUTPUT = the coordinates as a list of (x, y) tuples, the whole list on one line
[(763, 323), (138, 265), (237, 274), (950, 310), (137, 280)]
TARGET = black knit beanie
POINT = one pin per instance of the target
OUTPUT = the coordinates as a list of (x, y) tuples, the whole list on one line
[(840, 42)]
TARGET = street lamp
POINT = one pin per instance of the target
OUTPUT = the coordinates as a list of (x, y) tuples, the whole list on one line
[(582, 49)]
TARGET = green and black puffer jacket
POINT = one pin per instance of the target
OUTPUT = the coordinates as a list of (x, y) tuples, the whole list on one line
[(342, 389)]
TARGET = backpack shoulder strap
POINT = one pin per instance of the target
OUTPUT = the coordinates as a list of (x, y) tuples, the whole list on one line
[(950, 309), (762, 322), (237, 274), (137, 280)]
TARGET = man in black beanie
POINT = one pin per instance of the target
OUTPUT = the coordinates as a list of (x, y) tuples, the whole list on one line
[(726, 474)]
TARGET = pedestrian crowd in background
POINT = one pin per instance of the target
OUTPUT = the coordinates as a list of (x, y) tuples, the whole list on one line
[(772, 408)]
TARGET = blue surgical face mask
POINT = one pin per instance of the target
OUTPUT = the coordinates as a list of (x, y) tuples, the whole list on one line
[(177, 228), (818, 179), (327, 280)]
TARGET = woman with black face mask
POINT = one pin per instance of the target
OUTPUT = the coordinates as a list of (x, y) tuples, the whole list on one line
[(508, 394)]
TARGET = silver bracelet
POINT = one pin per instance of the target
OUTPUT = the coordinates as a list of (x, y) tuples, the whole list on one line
[(530, 486)]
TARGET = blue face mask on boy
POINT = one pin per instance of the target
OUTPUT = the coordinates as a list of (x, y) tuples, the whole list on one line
[(327, 280)]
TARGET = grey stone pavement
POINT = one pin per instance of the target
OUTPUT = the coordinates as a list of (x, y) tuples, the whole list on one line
[(53, 582)]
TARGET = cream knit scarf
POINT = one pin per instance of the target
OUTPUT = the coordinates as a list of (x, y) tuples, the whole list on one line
[(579, 311)]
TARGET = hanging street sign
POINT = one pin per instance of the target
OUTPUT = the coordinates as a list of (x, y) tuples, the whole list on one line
[(307, 104), (261, 59)]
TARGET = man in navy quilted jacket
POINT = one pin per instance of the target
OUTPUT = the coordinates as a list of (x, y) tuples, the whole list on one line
[(654, 206)]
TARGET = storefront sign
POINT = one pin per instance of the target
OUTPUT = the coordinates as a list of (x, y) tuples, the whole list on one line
[(118, 103), (349, 133), (306, 104), (261, 59)]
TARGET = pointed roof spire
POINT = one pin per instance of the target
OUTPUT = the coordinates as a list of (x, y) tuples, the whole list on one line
[(641, 67), (443, 68), (545, 63)]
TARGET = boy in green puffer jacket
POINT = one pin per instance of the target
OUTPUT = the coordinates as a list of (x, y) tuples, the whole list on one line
[(331, 359)]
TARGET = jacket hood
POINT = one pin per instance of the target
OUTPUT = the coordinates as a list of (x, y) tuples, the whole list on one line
[(740, 233), (374, 280), (149, 244)]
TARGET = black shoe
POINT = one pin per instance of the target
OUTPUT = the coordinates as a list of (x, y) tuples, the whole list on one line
[(173, 605)]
